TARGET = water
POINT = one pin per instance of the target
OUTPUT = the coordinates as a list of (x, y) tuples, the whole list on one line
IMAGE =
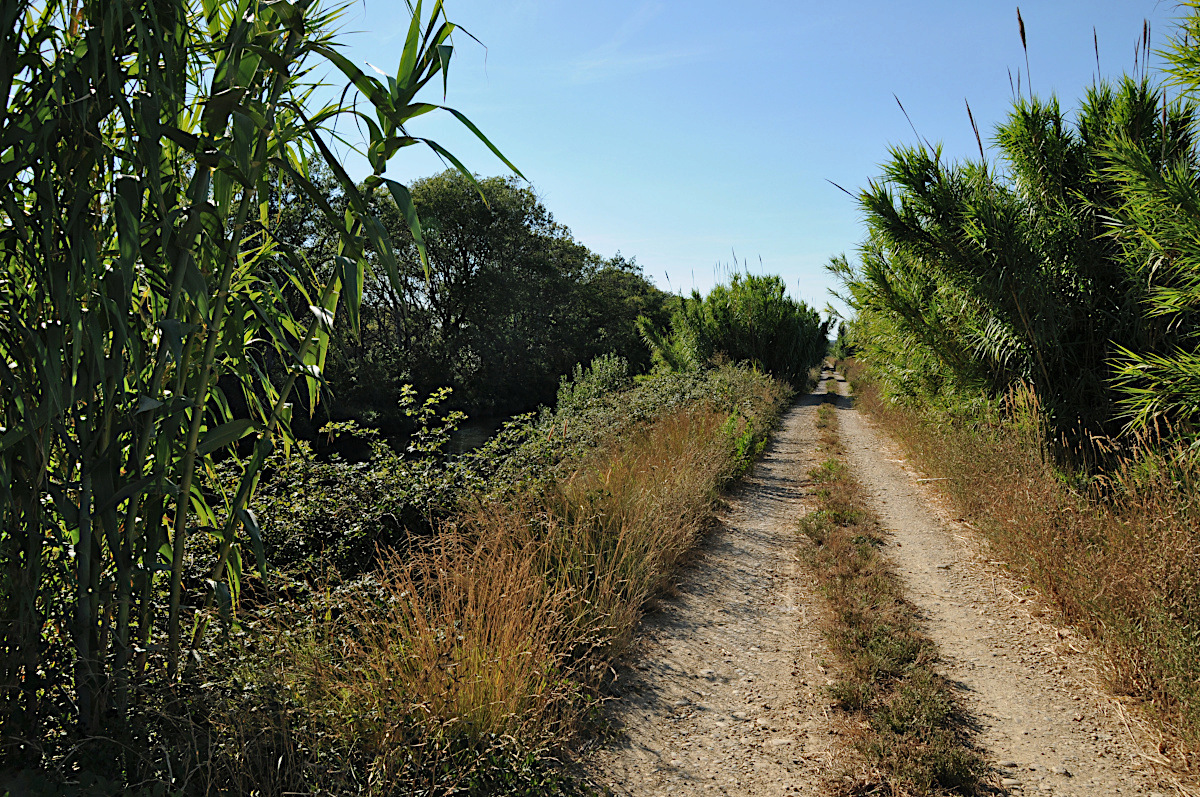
[(471, 435)]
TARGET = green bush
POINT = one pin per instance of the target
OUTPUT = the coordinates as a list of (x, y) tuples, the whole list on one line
[(750, 320)]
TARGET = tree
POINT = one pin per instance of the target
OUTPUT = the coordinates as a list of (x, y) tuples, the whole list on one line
[(1157, 219), (615, 294), (752, 319), (976, 276), (510, 303)]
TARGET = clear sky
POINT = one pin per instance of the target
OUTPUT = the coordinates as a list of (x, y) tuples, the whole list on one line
[(682, 132)]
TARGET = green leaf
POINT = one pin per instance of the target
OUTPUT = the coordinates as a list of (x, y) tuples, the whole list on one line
[(479, 134), (369, 86), (444, 52), (353, 273), (223, 435), (130, 490), (412, 45), (324, 318), (382, 244), (129, 212), (224, 600), (175, 332), (291, 15), (404, 202), (250, 522)]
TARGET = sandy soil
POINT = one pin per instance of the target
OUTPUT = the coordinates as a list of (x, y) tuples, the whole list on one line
[(724, 690)]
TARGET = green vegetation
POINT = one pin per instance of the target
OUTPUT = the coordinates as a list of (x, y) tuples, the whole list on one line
[(1068, 265), (191, 602), (154, 326), (495, 633), (751, 320), (912, 737), (203, 591), (462, 660), (506, 303)]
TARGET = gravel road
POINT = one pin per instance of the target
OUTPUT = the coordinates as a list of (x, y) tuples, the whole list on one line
[(1031, 687)]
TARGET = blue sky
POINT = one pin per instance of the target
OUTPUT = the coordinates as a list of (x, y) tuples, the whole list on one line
[(680, 132)]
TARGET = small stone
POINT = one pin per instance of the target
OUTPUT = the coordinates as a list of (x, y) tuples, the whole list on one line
[(1009, 782)]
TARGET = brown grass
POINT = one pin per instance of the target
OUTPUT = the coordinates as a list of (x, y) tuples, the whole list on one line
[(495, 636), (908, 729), (1118, 556)]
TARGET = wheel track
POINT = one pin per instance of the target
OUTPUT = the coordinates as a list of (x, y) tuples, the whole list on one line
[(1030, 687), (723, 692)]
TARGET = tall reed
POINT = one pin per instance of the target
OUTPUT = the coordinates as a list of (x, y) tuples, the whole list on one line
[(151, 320)]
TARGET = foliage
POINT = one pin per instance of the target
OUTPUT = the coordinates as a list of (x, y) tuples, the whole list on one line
[(320, 516), (1157, 221), (975, 278), (510, 302), (145, 333), (502, 624), (605, 375), (465, 659), (752, 320), (844, 346)]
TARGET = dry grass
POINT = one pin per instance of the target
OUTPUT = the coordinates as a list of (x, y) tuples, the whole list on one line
[(1119, 556), (908, 730), (488, 643)]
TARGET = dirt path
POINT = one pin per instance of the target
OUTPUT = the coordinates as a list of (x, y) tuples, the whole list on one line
[(727, 696), (726, 691), (1030, 686)]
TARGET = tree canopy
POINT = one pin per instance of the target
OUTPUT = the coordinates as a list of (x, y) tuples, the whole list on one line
[(751, 319)]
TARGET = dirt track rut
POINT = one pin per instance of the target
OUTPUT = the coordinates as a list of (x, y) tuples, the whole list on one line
[(724, 693), (1030, 687)]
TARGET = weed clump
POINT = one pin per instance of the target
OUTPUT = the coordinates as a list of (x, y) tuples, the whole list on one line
[(910, 730)]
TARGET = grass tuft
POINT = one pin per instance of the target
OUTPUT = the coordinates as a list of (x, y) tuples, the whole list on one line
[(909, 730)]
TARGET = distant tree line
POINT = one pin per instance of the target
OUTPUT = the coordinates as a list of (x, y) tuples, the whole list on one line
[(751, 319)]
